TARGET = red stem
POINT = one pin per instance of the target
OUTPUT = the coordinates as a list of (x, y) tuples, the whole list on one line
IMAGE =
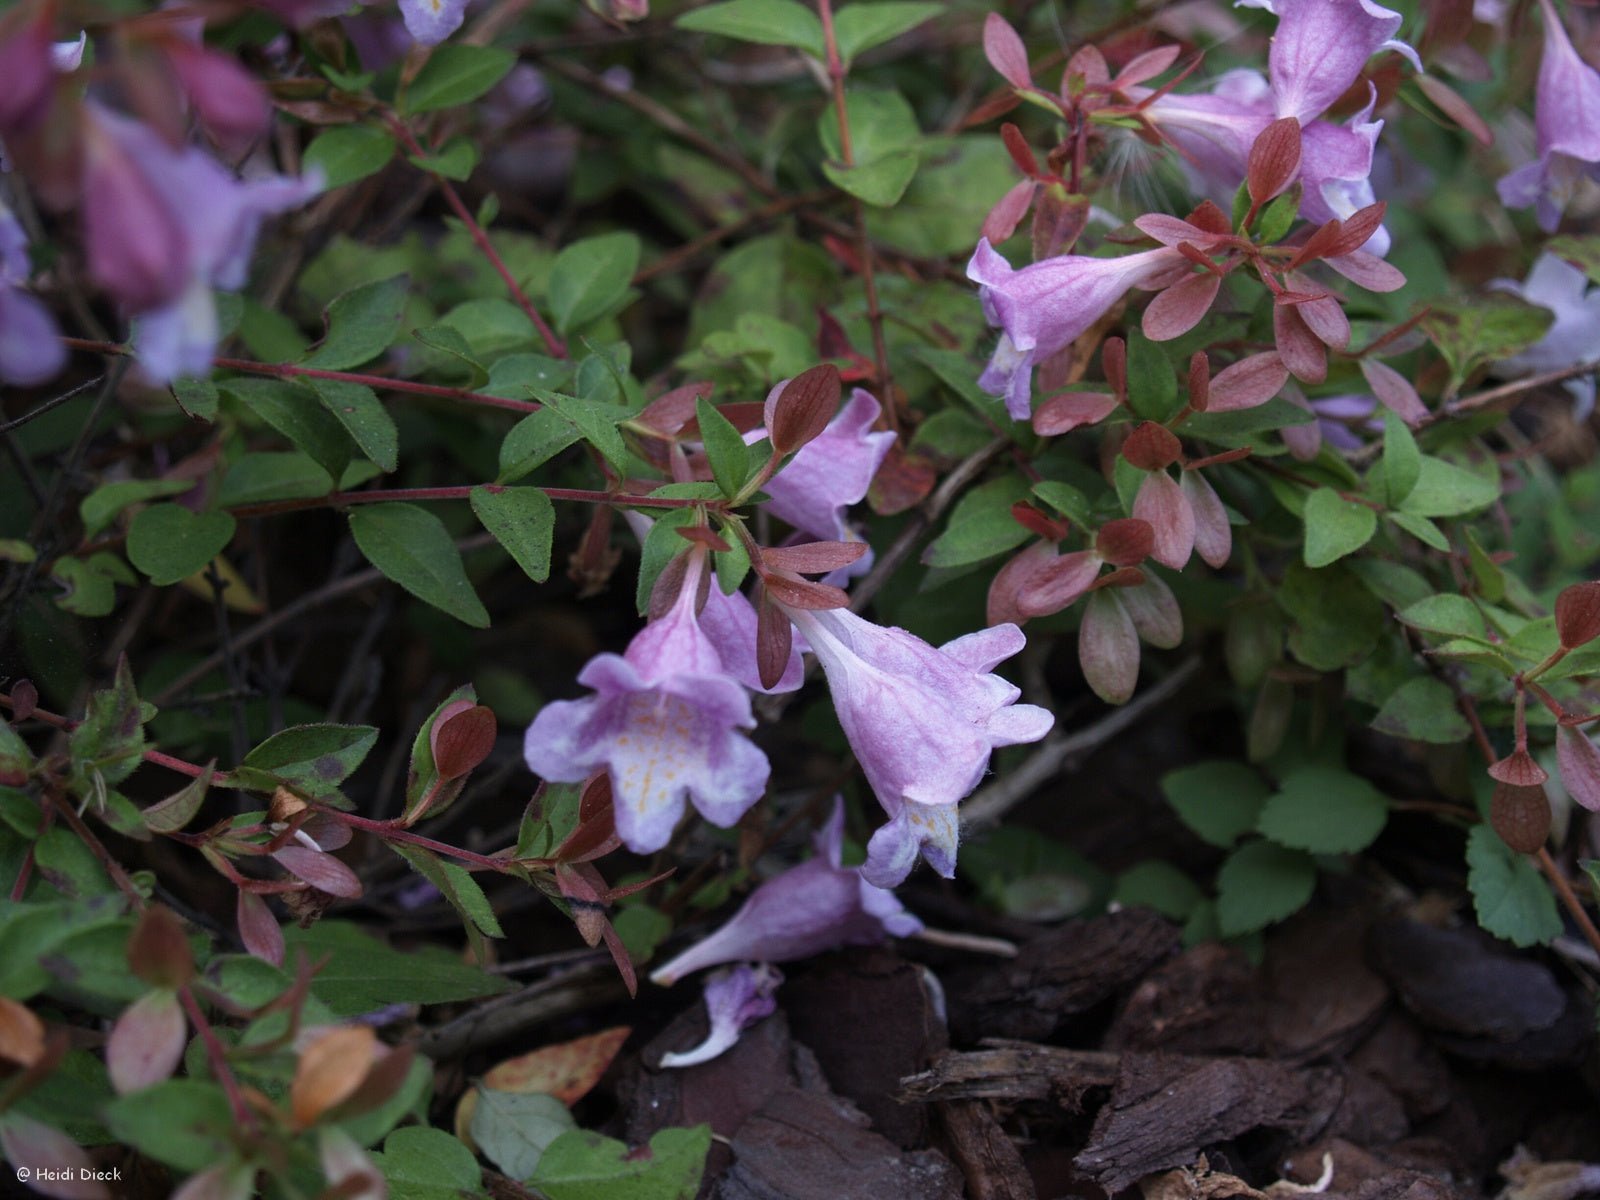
[(381, 383), (392, 831), (481, 239)]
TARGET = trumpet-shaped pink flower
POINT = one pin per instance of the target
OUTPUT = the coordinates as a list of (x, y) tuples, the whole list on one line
[(735, 999), (922, 722), (819, 905), (665, 721), (1566, 114), (30, 346), (1320, 48), (830, 473), (164, 227), (1041, 309)]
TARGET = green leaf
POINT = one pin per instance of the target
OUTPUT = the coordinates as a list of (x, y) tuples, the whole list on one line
[(178, 809), (296, 413), (412, 547), (1421, 528), (596, 422), (448, 340), (1449, 614), (362, 324), (168, 542), (767, 22), (1152, 386), (1402, 461), (884, 146), (1276, 218), (456, 161), (30, 933), (313, 759), (1335, 527), (590, 278), (363, 973), (89, 591), (456, 885), (1446, 490), (1510, 896), (522, 376), (456, 73), (1423, 709), (1324, 810), (585, 1166), (522, 520), (365, 419), (282, 475), (661, 545), (534, 441), (197, 397), (725, 448), (1581, 250), (1160, 886), (1336, 618), (513, 1129), (185, 1123), (641, 929), (110, 741), (1476, 330), (422, 1163), (981, 525), (860, 27), (1261, 883), (346, 153), (1220, 801), (101, 506)]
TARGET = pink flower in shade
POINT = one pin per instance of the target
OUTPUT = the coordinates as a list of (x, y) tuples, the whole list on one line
[(1566, 115), (819, 905), (1041, 309), (1574, 336), (30, 345), (431, 21), (735, 1000), (664, 721), (163, 228), (922, 722)]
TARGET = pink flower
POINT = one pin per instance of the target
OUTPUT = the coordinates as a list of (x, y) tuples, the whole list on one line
[(664, 721), (922, 722), (819, 905), (830, 473), (163, 228), (431, 21), (1566, 116), (1574, 336), (1320, 48), (735, 999), (1041, 309), (30, 345)]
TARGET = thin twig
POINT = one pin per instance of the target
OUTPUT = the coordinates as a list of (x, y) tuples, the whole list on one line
[(57, 402), (989, 805)]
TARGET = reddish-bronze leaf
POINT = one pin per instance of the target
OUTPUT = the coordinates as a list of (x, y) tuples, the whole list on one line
[(671, 411), (330, 1070), (1152, 447), (258, 929), (1519, 769), (24, 699), (1578, 614), (1050, 528), (802, 593), (158, 950), (803, 407), (322, 871), (146, 1043), (1300, 349), (1058, 583), (1114, 362), (1147, 65), (1521, 816), (1274, 159), (813, 558), (1125, 542), (462, 737), (1006, 54), (1021, 153), (774, 642), (1199, 381), (1011, 580), (700, 535), (1452, 104), (1247, 383), (1178, 309), (1067, 411)]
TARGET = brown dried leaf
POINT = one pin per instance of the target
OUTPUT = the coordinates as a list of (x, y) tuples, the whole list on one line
[(330, 1070)]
